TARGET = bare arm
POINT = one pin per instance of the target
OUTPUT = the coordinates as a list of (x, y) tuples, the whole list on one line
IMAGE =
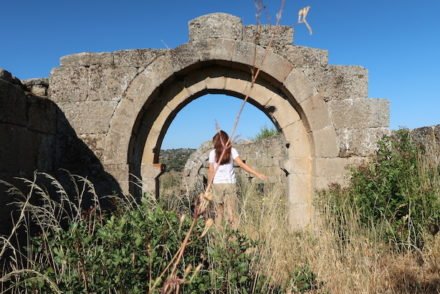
[(249, 169)]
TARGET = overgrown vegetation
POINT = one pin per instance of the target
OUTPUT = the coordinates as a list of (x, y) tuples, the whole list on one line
[(127, 251), (398, 192), (175, 159), (390, 203), (265, 132)]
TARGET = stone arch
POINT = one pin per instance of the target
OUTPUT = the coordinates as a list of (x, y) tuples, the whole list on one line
[(174, 79), (120, 103)]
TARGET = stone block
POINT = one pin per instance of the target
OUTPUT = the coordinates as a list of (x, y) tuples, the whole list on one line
[(46, 151), (238, 85), (185, 56), (176, 94), (87, 59), (339, 82), (39, 90), (359, 142), (120, 172), (215, 25), (116, 142), (282, 111), (335, 167), (42, 115), (268, 36), (299, 140), (38, 87), (248, 54), (95, 142), (360, 113), (196, 83), (299, 86), (324, 142), (298, 165), (216, 83), (316, 112), (300, 188), (12, 104), (69, 84), (150, 79), (301, 56), (89, 117), (20, 149), (135, 58), (108, 82), (214, 49), (275, 65), (429, 137)]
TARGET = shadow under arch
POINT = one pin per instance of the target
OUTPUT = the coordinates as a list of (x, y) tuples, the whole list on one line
[(234, 79)]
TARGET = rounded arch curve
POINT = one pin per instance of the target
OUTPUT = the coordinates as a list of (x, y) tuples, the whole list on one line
[(176, 78)]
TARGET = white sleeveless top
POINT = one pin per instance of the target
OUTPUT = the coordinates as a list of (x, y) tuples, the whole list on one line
[(225, 173)]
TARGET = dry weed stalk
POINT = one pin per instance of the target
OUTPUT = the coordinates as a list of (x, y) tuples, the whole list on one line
[(48, 214), (351, 258)]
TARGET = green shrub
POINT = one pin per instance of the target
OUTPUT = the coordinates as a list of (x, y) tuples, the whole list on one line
[(303, 279), (265, 132), (396, 191), (130, 250)]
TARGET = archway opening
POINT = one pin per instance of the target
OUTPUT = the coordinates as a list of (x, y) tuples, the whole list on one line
[(160, 107), (189, 134)]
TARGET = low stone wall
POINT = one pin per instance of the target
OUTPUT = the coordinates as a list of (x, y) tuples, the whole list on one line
[(427, 136)]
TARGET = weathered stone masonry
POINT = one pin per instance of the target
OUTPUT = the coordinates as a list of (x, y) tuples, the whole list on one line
[(120, 104)]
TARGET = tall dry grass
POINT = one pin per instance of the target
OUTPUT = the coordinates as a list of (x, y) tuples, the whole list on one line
[(345, 255)]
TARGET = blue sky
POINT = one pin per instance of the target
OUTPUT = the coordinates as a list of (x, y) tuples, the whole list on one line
[(398, 41)]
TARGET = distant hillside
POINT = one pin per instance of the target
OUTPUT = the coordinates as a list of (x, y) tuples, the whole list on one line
[(175, 159)]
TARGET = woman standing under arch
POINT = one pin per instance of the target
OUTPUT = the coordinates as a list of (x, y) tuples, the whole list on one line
[(222, 176)]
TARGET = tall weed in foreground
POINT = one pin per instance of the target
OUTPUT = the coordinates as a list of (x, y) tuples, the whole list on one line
[(128, 250)]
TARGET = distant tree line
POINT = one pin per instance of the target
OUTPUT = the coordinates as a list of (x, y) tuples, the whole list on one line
[(175, 159)]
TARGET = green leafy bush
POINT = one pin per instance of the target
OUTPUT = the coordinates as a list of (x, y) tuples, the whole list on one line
[(265, 132), (130, 250), (303, 279), (398, 190)]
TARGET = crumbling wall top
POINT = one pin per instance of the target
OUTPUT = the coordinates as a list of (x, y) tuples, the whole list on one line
[(226, 26), (215, 25)]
